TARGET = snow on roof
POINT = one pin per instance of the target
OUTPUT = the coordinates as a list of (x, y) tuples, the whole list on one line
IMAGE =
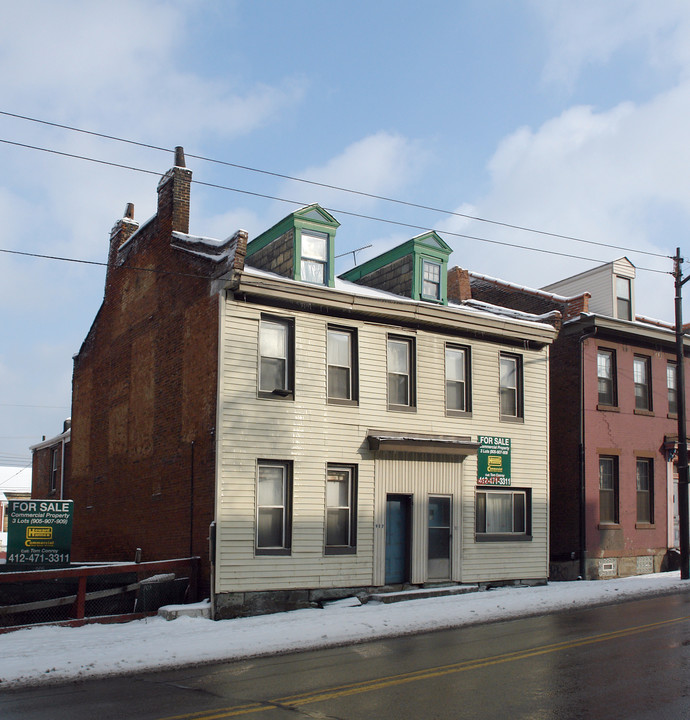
[(206, 247), (524, 288), (473, 307)]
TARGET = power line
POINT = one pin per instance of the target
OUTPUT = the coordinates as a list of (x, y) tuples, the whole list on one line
[(338, 188), (335, 211)]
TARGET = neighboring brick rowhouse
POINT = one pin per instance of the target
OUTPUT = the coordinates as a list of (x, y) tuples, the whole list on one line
[(144, 393)]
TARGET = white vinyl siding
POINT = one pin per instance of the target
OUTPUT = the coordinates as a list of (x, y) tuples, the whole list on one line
[(311, 433)]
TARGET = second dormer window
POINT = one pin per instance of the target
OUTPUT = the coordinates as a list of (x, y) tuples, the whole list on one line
[(314, 257), (431, 280), (623, 298)]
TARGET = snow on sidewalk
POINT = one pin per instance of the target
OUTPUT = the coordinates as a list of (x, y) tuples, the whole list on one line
[(53, 654)]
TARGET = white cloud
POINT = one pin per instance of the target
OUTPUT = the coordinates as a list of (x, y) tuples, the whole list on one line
[(590, 32)]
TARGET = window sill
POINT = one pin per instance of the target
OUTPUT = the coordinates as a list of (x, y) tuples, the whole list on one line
[(277, 395), (672, 416), (645, 526), (501, 537), (273, 551), (511, 419), (649, 413), (340, 401), (608, 408), (608, 526), (340, 551), (459, 413), (402, 408)]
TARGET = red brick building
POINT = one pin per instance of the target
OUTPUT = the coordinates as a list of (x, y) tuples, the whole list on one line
[(613, 422), (51, 463)]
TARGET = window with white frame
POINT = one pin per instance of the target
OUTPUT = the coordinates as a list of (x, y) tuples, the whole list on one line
[(457, 379), (503, 513), (314, 261), (623, 298), (672, 387), (643, 382), (431, 280), (401, 372), (341, 509), (53, 469), (273, 507), (606, 376), (511, 386), (342, 364), (276, 342)]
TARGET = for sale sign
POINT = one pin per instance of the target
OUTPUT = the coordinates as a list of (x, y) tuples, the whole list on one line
[(493, 460), (39, 532)]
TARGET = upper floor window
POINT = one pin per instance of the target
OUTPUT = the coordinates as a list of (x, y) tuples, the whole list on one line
[(608, 489), (606, 376), (511, 386), (457, 379), (53, 469), (645, 487), (314, 257), (643, 382), (273, 507), (672, 387), (341, 504), (276, 352), (342, 364), (401, 372), (431, 280), (623, 298)]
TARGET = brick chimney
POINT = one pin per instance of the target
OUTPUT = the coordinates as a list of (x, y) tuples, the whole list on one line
[(122, 231), (174, 195), (459, 288)]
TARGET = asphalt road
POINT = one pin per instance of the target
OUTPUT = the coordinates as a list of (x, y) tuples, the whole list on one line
[(630, 660)]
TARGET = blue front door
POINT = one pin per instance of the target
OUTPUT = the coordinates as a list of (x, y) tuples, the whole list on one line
[(397, 539)]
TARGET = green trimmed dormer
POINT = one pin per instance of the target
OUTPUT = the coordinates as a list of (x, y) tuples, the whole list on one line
[(416, 269), (300, 247)]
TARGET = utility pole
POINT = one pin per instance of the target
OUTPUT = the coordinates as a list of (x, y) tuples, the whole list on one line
[(683, 510)]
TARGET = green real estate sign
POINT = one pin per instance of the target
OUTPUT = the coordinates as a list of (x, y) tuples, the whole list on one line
[(493, 460), (39, 532)]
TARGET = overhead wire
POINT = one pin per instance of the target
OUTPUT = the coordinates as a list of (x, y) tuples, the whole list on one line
[(302, 203), (338, 188)]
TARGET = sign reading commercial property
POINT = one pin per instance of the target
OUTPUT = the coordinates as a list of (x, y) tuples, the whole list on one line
[(39, 532), (493, 460)]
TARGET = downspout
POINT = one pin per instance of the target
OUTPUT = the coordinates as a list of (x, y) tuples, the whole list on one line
[(583, 495), (62, 471)]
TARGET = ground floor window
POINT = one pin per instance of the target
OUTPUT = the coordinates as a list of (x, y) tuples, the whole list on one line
[(273, 507), (645, 494), (608, 489), (341, 506), (503, 514)]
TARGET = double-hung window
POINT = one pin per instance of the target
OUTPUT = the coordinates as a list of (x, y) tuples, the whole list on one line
[(503, 514), (457, 379), (608, 489), (606, 376), (623, 298), (276, 353), (314, 265), (511, 386), (341, 509), (431, 280), (342, 365), (401, 373), (672, 387), (273, 507), (643, 382), (645, 490), (53, 469)]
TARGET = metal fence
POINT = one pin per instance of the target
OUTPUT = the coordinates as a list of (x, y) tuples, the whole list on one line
[(95, 592)]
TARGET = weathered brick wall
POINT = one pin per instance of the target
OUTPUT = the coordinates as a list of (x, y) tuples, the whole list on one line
[(144, 400), (395, 277), (277, 256)]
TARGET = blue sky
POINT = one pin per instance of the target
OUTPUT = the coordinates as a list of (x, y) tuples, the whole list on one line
[(565, 117)]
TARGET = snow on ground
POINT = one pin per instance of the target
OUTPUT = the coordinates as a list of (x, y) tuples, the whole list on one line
[(55, 654)]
